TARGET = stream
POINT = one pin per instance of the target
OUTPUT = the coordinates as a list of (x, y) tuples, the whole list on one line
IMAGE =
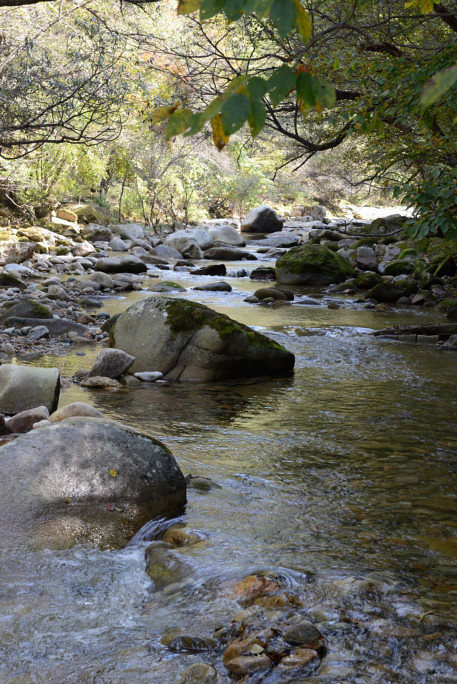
[(341, 480)]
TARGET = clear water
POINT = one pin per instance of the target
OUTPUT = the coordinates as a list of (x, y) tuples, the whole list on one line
[(347, 469)]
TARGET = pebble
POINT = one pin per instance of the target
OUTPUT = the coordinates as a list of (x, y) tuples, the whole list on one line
[(198, 673), (247, 664), (303, 633)]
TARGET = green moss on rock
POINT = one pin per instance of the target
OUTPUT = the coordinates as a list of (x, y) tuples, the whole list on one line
[(312, 265)]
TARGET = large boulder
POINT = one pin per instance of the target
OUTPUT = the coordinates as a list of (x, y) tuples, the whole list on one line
[(312, 265), (127, 264), (15, 251), (198, 235), (189, 342), (84, 480), (26, 387), (95, 233), (185, 245), (262, 220), (129, 231), (227, 234)]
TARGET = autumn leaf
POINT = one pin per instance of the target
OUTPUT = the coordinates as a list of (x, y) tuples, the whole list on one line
[(219, 137), (113, 473)]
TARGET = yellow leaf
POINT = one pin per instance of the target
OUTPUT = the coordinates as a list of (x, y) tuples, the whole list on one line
[(188, 6), (219, 137), (303, 20), (113, 473)]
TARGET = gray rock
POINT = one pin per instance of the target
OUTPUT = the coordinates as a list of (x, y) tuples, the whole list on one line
[(13, 251), (227, 234), (95, 233), (262, 220), (180, 238), (166, 252), (26, 387), (302, 633), (118, 245), (316, 212), (100, 382), (148, 376), (281, 240), (84, 480), (77, 408), (83, 249), (38, 332), (190, 342), (199, 673), (129, 231), (25, 420), (451, 343), (104, 281), (27, 308), (366, 259), (214, 287), (111, 363), (127, 264), (57, 292), (229, 254), (212, 270), (274, 293)]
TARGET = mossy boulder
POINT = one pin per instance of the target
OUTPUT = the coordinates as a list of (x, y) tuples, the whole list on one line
[(312, 265), (8, 280), (91, 213), (390, 292), (367, 280), (28, 308), (188, 341), (399, 267)]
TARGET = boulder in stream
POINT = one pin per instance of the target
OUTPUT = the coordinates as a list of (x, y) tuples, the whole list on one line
[(188, 341), (84, 480), (312, 265)]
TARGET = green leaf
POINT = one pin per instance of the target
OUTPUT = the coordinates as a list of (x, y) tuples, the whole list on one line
[(233, 9), (280, 83), (304, 24), (257, 87), (438, 85), (283, 14), (260, 7), (188, 6), (324, 93), (305, 93), (257, 117), (235, 112), (178, 123), (209, 8)]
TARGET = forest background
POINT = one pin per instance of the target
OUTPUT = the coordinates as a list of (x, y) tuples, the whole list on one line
[(170, 112)]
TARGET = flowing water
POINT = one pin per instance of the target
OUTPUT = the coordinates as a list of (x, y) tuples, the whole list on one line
[(346, 470)]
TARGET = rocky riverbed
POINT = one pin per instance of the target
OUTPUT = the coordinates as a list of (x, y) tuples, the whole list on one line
[(317, 543)]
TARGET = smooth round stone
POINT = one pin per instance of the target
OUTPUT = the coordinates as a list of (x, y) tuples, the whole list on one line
[(302, 633), (198, 673), (148, 376)]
